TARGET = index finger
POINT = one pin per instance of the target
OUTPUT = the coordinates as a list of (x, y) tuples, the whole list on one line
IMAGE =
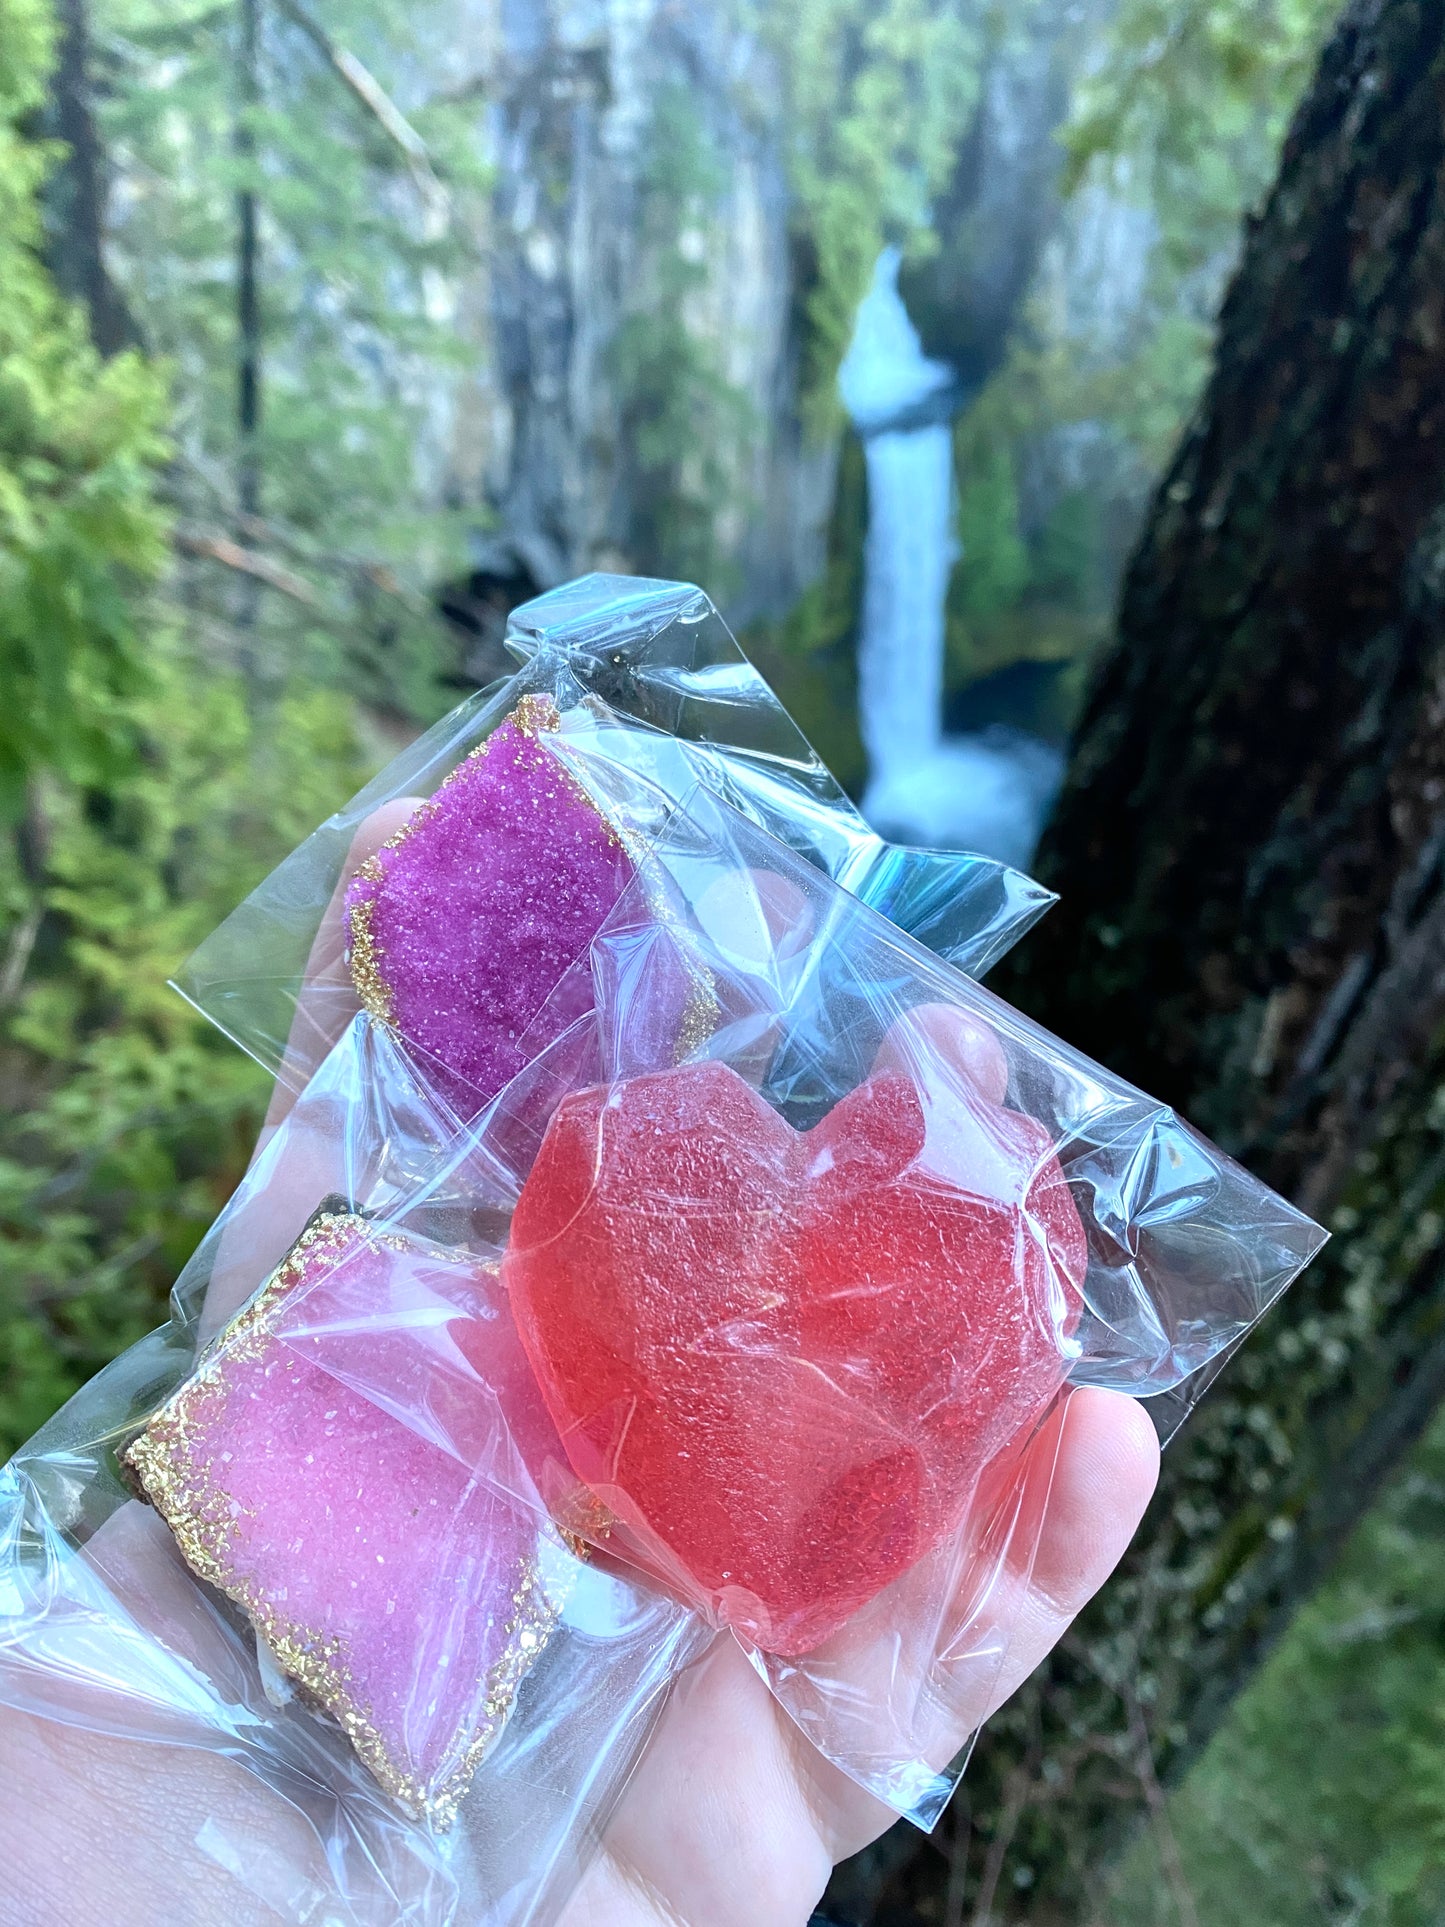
[(327, 1001)]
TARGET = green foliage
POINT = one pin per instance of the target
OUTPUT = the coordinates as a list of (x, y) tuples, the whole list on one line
[(993, 570), (1188, 107), (362, 258), (810, 655), (1065, 558), (76, 440), (1027, 587), (168, 732), (1180, 115), (878, 96), (141, 791), (1323, 1796), (1184, 115), (126, 1120)]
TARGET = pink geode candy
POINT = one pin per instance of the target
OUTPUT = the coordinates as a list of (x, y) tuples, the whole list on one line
[(462, 926), (402, 1596)]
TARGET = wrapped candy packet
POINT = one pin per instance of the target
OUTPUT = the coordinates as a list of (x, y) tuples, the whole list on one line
[(668, 1242), (797, 1277), (426, 1700), (364, 1558)]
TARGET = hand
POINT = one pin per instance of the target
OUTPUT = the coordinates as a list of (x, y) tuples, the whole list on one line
[(731, 1819)]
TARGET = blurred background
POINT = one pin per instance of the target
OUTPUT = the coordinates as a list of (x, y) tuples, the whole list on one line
[(330, 330)]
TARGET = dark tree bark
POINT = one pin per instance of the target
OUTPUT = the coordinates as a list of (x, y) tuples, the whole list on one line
[(248, 269), (248, 315), (75, 192), (1250, 850)]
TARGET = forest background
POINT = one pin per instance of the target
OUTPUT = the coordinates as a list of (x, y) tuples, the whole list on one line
[(328, 332)]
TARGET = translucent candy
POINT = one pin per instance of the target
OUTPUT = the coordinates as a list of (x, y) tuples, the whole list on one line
[(460, 927), (368, 1560), (783, 1358)]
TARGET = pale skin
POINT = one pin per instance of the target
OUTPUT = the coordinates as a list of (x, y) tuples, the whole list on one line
[(730, 1819)]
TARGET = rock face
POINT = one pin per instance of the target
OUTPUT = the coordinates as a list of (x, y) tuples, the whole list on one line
[(1017, 255), (631, 400), (632, 403), (1002, 201)]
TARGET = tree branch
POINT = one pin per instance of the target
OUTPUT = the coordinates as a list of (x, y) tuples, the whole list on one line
[(220, 548), (259, 533), (367, 89), (17, 955)]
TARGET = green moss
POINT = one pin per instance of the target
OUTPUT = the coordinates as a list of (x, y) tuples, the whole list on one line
[(1020, 595), (993, 570), (1322, 1798), (1065, 553)]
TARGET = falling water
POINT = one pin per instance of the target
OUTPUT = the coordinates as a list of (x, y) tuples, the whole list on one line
[(984, 792)]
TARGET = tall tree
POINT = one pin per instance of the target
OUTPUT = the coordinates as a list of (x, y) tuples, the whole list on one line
[(75, 193), (139, 793), (1249, 849), (248, 264), (283, 239)]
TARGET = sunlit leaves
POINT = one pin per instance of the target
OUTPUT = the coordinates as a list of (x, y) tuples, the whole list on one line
[(79, 442), (140, 795), (1186, 106)]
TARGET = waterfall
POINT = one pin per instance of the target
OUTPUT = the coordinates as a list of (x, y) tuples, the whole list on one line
[(985, 792)]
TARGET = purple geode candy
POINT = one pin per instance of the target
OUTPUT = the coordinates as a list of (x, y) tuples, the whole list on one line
[(400, 1591), (463, 925)]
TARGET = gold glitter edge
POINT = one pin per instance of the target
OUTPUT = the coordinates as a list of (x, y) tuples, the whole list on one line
[(362, 955), (199, 1516), (535, 715)]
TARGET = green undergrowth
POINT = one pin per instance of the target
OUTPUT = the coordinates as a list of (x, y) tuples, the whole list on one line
[(1321, 1802)]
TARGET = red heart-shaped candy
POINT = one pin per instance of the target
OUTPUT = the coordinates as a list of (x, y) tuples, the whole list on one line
[(783, 1359)]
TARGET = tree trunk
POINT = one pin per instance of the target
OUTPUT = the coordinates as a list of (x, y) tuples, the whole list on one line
[(75, 192), (1249, 849), (248, 270)]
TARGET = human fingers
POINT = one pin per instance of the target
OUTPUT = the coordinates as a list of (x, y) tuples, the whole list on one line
[(1105, 1470), (127, 1800), (326, 1002), (717, 1825), (922, 1668), (734, 1819), (931, 1034), (106, 1832)]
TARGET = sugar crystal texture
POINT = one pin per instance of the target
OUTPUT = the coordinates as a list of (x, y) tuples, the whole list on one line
[(463, 925), (400, 1593), (784, 1359)]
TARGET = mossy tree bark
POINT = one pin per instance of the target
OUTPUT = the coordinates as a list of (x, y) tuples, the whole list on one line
[(1251, 854)]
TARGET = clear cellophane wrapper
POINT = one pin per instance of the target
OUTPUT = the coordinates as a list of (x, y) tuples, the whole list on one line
[(721, 1286), (656, 663), (799, 1237), (155, 1609)]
